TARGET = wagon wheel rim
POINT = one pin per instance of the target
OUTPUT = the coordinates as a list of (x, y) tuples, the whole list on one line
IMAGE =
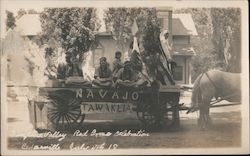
[(148, 118), (80, 119), (168, 114), (64, 111), (139, 116)]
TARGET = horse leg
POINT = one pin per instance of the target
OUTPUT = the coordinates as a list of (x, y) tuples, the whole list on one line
[(207, 119), (202, 118)]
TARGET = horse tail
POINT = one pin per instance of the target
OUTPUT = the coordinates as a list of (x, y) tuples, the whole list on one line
[(196, 95)]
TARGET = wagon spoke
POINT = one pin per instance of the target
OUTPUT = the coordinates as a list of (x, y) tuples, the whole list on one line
[(63, 110), (58, 119), (53, 116), (67, 119), (74, 107), (54, 103), (73, 113), (72, 102), (63, 118), (72, 117)]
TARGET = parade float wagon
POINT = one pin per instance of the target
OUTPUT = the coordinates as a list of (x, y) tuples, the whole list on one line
[(62, 105), (56, 107)]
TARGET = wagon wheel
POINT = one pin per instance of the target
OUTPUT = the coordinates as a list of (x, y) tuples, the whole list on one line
[(169, 114), (148, 116), (65, 111), (139, 112), (139, 115)]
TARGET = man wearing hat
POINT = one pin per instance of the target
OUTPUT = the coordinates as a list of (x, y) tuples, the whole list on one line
[(127, 77), (71, 68), (165, 44), (103, 74), (166, 60), (117, 64), (71, 72)]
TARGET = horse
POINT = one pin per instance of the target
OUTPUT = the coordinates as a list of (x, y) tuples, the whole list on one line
[(214, 84)]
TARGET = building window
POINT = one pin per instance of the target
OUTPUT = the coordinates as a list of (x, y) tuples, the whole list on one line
[(178, 73), (161, 20), (97, 54), (181, 39), (163, 23)]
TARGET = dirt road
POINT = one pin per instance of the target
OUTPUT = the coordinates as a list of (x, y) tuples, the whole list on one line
[(225, 132)]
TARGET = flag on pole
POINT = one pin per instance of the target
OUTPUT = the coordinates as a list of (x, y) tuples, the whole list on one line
[(135, 45), (134, 28)]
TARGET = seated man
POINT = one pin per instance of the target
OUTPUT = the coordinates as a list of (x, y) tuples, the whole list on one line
[(71, 68), (103, 75), (128, 77), (71, 72), (117, 64)]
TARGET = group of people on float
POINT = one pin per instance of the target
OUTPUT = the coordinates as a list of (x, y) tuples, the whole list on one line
[(127, 74), (122, 75)]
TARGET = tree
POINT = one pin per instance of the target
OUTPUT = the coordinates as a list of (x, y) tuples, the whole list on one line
[(227, 37), (10, 21), (119, 21), (218, 42), (207, 54), (32, 11), (20, 13), (73, 29)]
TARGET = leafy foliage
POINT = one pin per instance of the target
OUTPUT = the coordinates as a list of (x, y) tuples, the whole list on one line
[(73, 29), (119, 21), (227, 37), (202, 44), (20, 13), (10, 21), (218, 36), (32, 11)]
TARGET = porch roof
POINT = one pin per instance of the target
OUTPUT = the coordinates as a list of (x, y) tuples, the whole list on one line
[(104, 33), (183, 24), (29, 25), (183, 50)]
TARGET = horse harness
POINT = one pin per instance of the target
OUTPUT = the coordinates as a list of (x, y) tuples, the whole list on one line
[(216, 90)]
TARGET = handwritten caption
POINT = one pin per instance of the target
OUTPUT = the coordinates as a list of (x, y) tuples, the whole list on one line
[(59, 136)]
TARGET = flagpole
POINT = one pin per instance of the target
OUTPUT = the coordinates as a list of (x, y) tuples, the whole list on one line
[(134, 30)]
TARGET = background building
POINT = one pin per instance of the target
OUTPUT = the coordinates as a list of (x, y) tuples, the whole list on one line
[(180, 26)]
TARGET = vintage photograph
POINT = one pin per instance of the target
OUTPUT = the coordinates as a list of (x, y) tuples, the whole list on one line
[(118, 77)]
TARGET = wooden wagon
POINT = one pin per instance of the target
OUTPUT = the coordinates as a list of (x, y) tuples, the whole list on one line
[(58, 106)]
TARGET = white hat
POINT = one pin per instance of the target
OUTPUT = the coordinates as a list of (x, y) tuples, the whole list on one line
[(162, 37), (165, 31)]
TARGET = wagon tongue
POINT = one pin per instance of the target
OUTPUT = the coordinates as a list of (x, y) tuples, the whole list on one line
[(40, 106)]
